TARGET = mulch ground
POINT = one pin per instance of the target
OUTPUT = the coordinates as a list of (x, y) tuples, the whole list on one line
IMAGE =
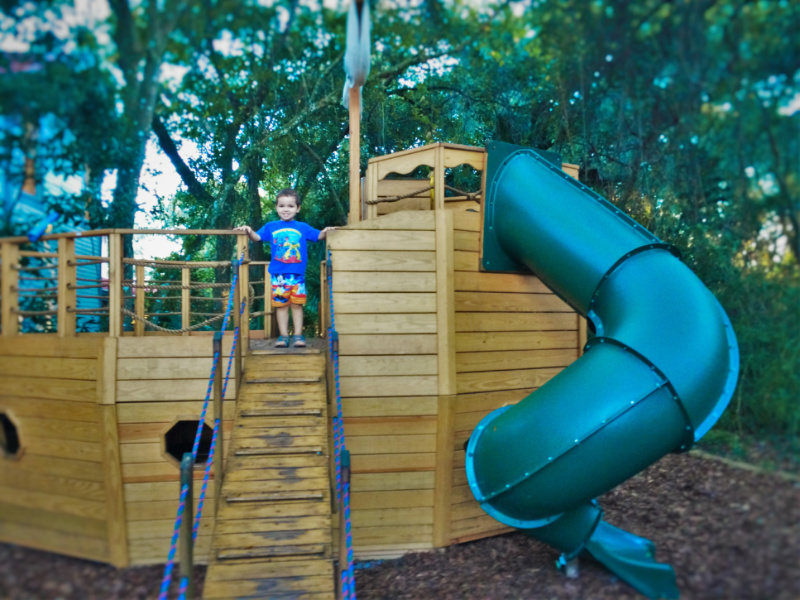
[(730, 534)]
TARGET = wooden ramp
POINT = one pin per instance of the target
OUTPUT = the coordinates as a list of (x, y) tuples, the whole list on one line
[(273, 529)]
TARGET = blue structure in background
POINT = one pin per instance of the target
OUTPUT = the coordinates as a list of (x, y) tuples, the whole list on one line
[(31, 213)]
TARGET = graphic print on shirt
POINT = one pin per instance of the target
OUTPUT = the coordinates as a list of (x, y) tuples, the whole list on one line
[(287, 242)]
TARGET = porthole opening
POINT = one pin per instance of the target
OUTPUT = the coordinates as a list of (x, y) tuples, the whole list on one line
[(180, 439), (9, 436)]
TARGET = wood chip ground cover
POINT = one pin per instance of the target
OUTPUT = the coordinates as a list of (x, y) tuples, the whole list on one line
[(729, 533)]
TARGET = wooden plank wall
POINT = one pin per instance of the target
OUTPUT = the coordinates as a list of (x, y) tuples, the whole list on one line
[(385, 310), (512, 334), (161, 380), (58, 494)]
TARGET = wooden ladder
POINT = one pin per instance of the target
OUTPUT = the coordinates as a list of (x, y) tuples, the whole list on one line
[(272, 537)]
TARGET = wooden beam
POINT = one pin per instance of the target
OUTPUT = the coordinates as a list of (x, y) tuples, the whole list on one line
[(355, 154), (438, 179), (186, 306), (9, 298), (138, 326), (443, 483), (112, 477), (107, 372), (66, 292), (243, 251), (268, 328), (115, 276), (445, 303)]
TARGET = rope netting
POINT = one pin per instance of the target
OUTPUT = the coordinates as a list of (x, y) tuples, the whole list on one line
[(154, 286), (341, 456), (169, 566)]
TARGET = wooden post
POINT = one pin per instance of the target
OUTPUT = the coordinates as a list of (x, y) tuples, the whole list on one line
[(237, 324), (355, 155), (67, 297), (186, 550), (438, 178), (343, 562), (186, 301), (112, 470), (138, 326), (218, 401), (115, 275), (8, 294), (324, 304), (371, 210), (443, 477), (446, 357), (243, 251), (445, 302), (267, 303)]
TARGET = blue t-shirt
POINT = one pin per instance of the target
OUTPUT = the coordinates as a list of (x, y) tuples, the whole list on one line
[(288, 240)]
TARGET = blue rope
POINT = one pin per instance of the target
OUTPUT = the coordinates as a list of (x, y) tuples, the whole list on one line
[(168, 568), (174, 545), (342, 488)]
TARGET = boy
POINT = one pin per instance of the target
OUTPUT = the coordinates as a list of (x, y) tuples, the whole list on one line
[(288, 265)]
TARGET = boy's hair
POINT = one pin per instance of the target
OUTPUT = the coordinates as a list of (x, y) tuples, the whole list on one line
[(289, 193)]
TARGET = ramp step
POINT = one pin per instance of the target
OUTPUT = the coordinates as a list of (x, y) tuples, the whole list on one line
[(284, 351), (285, 379), (271, 451), (280, 412), (246, 464), (270, 579), (273, 551), (271, 540), (255, 511), (275, 497), (277, 486)]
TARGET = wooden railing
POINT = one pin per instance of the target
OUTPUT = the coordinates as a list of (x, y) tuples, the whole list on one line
[(76, 283)]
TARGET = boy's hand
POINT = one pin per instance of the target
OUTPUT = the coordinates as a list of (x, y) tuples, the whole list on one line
[(324, 232), (249, 231)]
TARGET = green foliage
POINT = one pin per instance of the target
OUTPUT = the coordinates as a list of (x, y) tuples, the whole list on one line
[(684, 114)]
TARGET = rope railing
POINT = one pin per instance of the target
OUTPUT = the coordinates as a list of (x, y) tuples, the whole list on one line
[(469, 195), (341, 456), (187, 465)]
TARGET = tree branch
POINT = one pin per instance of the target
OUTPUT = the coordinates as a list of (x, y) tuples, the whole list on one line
[(187, 175)]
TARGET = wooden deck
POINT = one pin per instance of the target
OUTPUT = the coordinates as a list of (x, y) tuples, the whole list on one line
[(273, 529)]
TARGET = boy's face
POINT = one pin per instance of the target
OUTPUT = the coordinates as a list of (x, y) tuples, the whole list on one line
[(287, 208)]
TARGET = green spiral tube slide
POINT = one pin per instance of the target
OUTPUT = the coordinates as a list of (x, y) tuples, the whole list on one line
[(654, 379)]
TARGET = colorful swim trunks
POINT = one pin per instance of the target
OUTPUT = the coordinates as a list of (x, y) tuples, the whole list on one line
[(288, 289)]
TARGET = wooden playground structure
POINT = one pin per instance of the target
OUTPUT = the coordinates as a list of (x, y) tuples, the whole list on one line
[(428, 344)]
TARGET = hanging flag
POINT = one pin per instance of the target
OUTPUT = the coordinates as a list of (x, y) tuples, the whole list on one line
[(44, 226), (357, 50)]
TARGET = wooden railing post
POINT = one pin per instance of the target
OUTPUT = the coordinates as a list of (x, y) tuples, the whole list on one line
[(186, 548), (243, 251), (9, 297), (267, 303), (67, 296), (186, 292), (237, 324), (218, 402), (115, 275), (138, 326)]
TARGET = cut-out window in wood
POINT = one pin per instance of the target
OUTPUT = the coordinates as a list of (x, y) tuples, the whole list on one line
[(9, 436), (180, 439)]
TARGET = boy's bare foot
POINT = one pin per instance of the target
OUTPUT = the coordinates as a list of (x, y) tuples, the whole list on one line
[(282, 342), (299, 341)]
